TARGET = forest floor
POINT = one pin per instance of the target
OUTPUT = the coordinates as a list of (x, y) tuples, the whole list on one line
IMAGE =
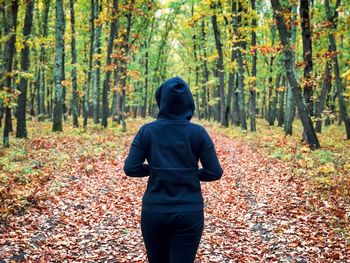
[(64, 197)]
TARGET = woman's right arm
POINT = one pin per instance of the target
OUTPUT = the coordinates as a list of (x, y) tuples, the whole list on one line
[(211, 170)]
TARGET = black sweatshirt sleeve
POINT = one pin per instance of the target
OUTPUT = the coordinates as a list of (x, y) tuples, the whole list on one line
[(211, 170), (134, 164)]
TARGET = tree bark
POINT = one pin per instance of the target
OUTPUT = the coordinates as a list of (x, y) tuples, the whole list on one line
[(40, 98), (333, 50), (106, 82), (281, 103), (58, 97), (96, 63), (273, 110), (240, 77), (311, 136), (205, 73), (22, 98), (126, 47), (220, 67), (88, 83), (252, 90), (290, 104), (74, 69), (307, 53), (10, 49), (326, 87)]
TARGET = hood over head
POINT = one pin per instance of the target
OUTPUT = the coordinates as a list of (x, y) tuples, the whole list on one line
[(174, 100)]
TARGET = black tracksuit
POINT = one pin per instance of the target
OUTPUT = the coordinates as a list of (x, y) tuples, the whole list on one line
[(172, 206)]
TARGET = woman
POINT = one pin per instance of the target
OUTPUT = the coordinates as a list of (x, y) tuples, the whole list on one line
[(172, 216)]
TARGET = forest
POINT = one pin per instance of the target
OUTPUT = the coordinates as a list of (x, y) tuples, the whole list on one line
[(270, 81)]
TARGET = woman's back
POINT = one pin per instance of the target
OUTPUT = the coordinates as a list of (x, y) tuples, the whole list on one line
[(172, 217), (172, 146)]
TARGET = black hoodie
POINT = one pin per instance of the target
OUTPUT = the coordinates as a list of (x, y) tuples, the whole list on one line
[(172, 146)]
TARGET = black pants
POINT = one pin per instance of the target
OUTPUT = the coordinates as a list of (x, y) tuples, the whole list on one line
[(172, 237)]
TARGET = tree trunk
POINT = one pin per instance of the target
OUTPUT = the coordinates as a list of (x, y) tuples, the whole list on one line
[(144, 109), (307, 53), (10, 49), (326, 87), (88, 83), (96, 63), (273, 109), (290, 104), (22, 98), (106, 82), (126, 47), (252, 90), (205, 73), (281, 103), (147, 46), (240, 77), (333, 50), (41, 85), (220, 67), (311, 136), (235, 116), (74, 69), (58, 97)]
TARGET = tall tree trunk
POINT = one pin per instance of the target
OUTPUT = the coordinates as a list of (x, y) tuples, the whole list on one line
[(126, 47), (146, 63), (10, 49), (74, 69), (333, 49), (310, 133), (22, 98), (96, 63), (205, 73), (144, 109), (41, 85), (307, 53), (58, 97), (196, 72), (2, 53), (252, 91), (220, 67), (235, 111), (273, 111), (290, 103), (281, 103), (106, 82), (270, 96), (239, 57), (91, 54), (326, 87)]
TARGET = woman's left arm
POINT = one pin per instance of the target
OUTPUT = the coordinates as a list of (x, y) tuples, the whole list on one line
[(134, 165)]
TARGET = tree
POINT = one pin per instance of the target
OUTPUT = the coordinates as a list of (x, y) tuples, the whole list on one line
[(311, 136), (96, 73), (10, 28), (220, 66), (307, 53), (58, 97), (40, 96), (22, 98), (74, 69), (109, 67), (239, 57), (333, 49), (252, 90)]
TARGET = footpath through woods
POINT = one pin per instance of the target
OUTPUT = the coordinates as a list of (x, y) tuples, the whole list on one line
[(89, 211)]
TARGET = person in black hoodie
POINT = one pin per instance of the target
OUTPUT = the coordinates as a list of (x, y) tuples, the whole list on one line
[(172, 217)]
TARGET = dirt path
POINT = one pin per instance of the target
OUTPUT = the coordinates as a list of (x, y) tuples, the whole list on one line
[(258, 212)]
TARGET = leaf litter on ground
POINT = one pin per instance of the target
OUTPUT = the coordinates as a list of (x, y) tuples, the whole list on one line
[(89, 211)]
